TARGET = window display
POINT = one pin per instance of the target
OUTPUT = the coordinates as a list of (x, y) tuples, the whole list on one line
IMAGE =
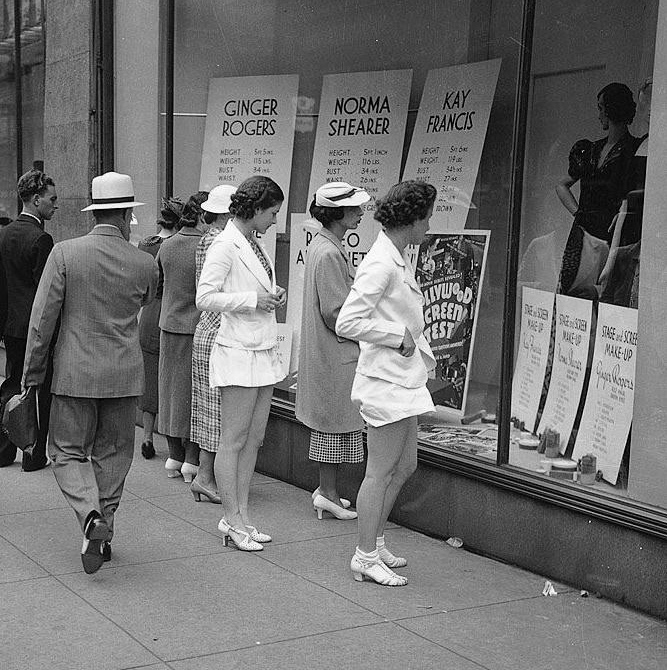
[(370, 103), (578, 285), (374, 104)]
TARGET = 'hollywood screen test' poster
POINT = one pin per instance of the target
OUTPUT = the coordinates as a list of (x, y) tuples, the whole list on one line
[(450, 271)]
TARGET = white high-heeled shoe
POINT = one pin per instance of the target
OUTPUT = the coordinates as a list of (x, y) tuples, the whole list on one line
[(189, 472), (343, 501), (245, 544), (256, 535), (173, 467), (375, 571), (322, 504)]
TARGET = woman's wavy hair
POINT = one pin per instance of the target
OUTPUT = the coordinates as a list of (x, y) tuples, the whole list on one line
[(619, 104), (170, 213), (192, 211), (255, 193), (326, 215), (405, 203)]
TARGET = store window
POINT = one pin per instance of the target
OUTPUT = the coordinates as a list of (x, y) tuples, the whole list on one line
[(579, 298), (7, 113), (375, 92), (21, 130)]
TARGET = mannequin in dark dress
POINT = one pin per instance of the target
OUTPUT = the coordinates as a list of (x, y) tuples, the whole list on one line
[(620, 278), (602, 168)]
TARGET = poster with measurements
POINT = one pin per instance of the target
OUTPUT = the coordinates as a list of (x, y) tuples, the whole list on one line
[(359, 140), (571, 345), (450, 273), (449, 135), (532, 354), (303, 229), (607, 416), (250, 131)]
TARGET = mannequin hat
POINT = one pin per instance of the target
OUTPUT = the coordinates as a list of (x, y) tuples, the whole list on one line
[(219, 199), (340, 194), (112, 191)]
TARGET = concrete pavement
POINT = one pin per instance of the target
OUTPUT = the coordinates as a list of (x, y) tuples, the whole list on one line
[(174, 597)]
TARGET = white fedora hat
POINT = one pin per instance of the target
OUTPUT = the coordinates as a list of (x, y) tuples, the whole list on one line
[(219, 199), (340, 194), (112, 190)]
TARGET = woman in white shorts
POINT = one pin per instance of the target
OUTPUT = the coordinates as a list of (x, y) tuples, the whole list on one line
[(238, 280), (384, 313)]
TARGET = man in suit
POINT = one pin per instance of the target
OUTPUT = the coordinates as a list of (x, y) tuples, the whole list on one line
[(24, 248), (96, 284)]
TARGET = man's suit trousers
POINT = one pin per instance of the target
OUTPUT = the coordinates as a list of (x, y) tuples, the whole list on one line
[(91, 443)]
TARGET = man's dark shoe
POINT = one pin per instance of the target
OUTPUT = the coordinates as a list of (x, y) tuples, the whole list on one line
[(106, 551), (34, 463), (96, 533), (7, 450), (147, 450)]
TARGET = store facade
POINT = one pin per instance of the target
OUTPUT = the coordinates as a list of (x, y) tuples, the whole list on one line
[(540, 320)]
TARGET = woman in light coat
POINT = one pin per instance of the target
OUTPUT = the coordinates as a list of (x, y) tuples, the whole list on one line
[(384, 313), (238, 280), (327, 362)]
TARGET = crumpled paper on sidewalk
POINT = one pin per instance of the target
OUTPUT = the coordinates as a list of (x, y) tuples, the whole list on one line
[(455, 542), (549, 589)]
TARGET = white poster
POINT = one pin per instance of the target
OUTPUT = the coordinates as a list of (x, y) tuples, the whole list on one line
[(359, 140), (250, 131), (449, 136), (605, 422), (571, 344), (303, 230), (532, 355)]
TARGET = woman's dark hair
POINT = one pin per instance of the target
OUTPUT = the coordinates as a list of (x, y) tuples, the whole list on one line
[(192, 210), (209, 217), (255, 193), (405, 203), (619, 105), (170, 213), (326, 215)]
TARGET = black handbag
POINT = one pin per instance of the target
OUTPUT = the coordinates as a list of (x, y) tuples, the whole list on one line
[(7, 447), (20, 420)]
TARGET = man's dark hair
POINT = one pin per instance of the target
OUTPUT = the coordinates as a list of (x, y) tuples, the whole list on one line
[(33, 182)]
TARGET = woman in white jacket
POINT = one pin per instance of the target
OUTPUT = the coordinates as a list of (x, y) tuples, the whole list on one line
[(384, 313), (238, 280)]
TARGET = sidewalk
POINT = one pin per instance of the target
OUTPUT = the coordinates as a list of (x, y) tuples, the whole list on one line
[(174, 597)]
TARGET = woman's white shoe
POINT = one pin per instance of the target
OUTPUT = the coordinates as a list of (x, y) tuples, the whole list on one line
[(257, 536), (343, 501), (322, 504), (375, 571), (245, 543), (189, 471), (388, 558), (173, 467)]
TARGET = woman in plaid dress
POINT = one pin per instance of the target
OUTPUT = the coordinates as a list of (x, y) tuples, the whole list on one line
[(326, 362), (205, 415)]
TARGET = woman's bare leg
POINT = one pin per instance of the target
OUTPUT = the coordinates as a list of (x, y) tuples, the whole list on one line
[(248, 456), (237, 405), (386, 446)]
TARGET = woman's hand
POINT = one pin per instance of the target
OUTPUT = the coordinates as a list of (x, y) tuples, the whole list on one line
[(281, 294), (267, 302), (408, 345)]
